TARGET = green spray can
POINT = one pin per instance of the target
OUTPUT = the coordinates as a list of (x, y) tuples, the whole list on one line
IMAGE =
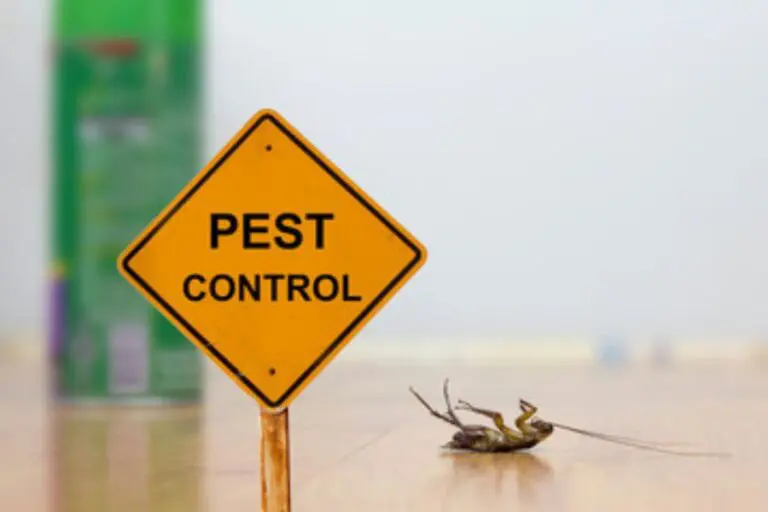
[(127, 131)]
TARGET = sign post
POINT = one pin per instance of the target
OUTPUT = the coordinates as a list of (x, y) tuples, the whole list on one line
[(275, 462), (270, 261)]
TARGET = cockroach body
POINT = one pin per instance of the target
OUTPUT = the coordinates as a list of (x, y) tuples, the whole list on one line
[(479, 438)]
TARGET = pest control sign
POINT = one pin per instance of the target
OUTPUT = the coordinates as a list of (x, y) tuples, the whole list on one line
[(271, 259)]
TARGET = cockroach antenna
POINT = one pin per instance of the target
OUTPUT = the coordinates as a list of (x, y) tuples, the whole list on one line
[(637, 443)]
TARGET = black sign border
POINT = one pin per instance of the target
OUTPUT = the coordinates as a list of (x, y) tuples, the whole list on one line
[(342, 337)]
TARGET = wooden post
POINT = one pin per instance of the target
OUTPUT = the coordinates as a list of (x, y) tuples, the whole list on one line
[(275, 462)]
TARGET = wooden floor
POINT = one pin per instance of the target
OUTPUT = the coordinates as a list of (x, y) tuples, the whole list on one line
[(361, 442)]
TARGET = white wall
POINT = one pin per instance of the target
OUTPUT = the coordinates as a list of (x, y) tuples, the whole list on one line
[(572, 168), (23, 157)]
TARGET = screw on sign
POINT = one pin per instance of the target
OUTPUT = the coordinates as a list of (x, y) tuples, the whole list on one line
[(270, 261)]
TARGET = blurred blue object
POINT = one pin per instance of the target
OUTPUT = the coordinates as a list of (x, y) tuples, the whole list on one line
[(612, 351)]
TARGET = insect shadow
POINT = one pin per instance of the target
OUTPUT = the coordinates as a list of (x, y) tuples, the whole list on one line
[(494, 473)]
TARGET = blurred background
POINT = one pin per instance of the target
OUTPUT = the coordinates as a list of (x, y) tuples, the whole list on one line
[(590, 182), (574, 172)]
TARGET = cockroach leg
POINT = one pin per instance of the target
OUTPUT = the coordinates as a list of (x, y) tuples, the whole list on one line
[(497, 417), (521, 422), (526, 406), (448, 419), (449, 407)]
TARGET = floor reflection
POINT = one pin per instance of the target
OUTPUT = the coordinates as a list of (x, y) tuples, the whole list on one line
[(530, 473), (113, 459)]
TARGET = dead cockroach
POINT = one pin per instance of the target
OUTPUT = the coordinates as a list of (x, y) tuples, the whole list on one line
[(479, 438), (530, 430)]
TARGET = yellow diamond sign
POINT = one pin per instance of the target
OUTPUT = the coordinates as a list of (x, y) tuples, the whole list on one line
[(271, 259)]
